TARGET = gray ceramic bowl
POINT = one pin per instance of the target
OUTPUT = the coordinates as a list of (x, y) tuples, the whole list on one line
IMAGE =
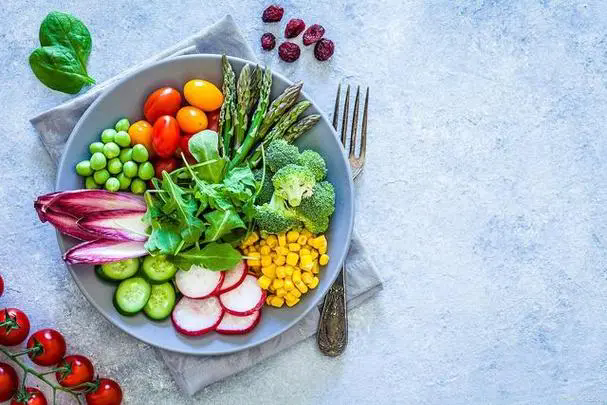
[(126, 99)]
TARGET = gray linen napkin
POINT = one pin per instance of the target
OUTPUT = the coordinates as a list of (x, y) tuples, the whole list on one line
[(192, 373)]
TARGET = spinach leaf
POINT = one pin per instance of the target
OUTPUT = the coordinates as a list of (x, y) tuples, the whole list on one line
[(66, 30), (214, 256), (221, 223), (204, 146)]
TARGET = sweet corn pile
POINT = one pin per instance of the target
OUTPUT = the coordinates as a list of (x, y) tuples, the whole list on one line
[(286, 264)]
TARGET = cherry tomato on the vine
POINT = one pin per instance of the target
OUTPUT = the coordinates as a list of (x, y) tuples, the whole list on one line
[(165, 136), (108, 393), (191, 119), (14, 327), (213, 118), (167, 165), (77, 370), (31, 396), (164, 101), (8, 382), (51, 347)]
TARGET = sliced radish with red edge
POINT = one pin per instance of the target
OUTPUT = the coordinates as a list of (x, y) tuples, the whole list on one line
[(194, 317), (238, 325), (198, 282), (234, 277), (245, 299)]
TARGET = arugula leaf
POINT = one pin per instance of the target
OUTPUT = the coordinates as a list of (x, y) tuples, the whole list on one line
[(214, 256), (204, 146), (163, 240), (185, 209), (221, 223)]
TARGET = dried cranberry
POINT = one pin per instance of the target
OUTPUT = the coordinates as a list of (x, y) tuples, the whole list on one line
[(273, 13), (313, 34), (268, 41), (295, 26), (289, 52), (324, 49)]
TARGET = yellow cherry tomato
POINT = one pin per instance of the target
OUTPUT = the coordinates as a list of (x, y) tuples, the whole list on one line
[(202, 94), (141, 132), (191, 119)]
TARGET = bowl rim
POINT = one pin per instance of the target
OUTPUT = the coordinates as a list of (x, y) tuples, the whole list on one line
[(62, 166)]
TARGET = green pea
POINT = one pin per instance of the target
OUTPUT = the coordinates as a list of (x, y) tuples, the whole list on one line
[(122, 139), (146, 171), (129, 169), (101, 176), (89, 182), (114, 166), (108, 135), (96, 147), (112, 184), (122, 125), (84, 168), (125, 181), (111, 150), (138, 186), (98, 161), (140, 153), (126, 155)]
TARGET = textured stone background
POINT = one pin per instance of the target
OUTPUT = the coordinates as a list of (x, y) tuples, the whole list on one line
[(483, 199)]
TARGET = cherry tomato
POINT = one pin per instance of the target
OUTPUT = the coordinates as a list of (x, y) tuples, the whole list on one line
[(8, 382), (184, 146), (202, 94), (108, 393), (213, 118), (78, 370), (14, 327), (164, 101), (167, 165), (141, 132), (191, 119), (51, 344), (31, 396), (165, 137)]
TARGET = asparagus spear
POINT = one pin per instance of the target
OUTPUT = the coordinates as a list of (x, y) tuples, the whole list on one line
[(255, 83), (243, 90), (253, 132), (278, 107), (301, 127), (228, 109)]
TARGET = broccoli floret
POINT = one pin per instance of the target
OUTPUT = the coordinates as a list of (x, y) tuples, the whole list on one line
[(315, 210), (275, 216), (267, 188), (292, 183), (313, 161), (280, 153)]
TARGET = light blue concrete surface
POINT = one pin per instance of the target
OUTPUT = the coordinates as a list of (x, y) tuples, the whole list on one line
[(483, 200)]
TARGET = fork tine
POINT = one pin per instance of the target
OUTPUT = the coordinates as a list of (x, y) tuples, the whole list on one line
[(363, 131), (336, 111), (354, 123), (344, 122)]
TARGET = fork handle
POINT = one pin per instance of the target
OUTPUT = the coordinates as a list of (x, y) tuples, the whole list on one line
[(332, 334)]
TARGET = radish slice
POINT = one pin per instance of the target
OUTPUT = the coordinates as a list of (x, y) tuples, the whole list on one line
[(79, 203), (234, 277), (238, 325), (68, 225), (194, 317), (245, 299), (116, 225), (198, 282), (104, 251)]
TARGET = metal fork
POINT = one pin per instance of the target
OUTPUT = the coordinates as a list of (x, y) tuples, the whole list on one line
[(332, 336)]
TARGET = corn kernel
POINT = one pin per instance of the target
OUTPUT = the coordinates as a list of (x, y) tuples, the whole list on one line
[(244, 250), (289, 285), (322, 250), (306, 233), (253, 263), (295, 292), (282, 250), (296, 277), (280, 272), (301, 287), (307, 277), (294, 247), (315, 268), (279, 260), (262, 242), (314, 283), (252, 238), (264, 282), (269, 299), (291, 303), (266, 260), (277, 302), (281, 292), (292, 259), (271, 288), (304, 251), (314, 253), (319, 241), (324, 259), (252, 249), (282, 239), (255, 254), (278, 283), (272, 241), (305, 262), (265, 250), (269, 271), (289, 270), (292, 236), (302, 240)]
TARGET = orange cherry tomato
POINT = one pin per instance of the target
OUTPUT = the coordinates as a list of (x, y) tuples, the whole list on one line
[(203, 94), (167, 165), (165, 136), (213, 118), (191, 119), (164, 101), (141, 132)]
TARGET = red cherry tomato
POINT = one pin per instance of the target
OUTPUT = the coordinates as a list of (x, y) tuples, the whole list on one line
[(165, 136), (213, 120), (184, 146), (167, 165), (164, 101), (14, 327), (108, 393), (51, 347), (8, 382), (78, 370), (31, 396)]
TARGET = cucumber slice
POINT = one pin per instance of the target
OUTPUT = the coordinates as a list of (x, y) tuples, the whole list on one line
[(119, 270), (161, 302), (131, 295), (158, 269)]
